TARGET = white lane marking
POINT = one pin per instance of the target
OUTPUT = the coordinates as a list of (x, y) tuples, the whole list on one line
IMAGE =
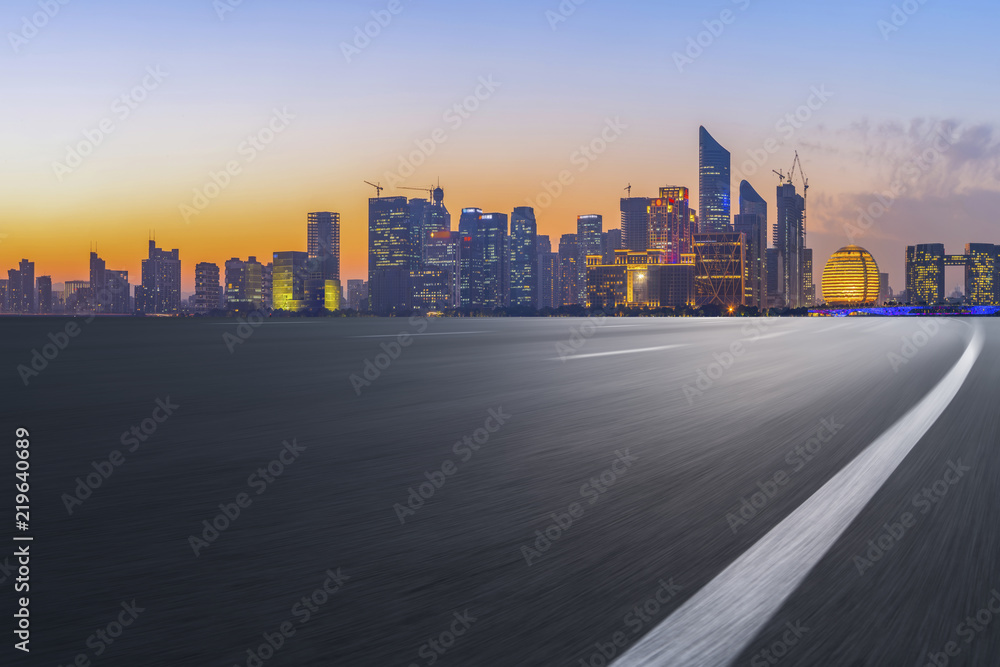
[(613, 354), (445, 333), (716, 625)]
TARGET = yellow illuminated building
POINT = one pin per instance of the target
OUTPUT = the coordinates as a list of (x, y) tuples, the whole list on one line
[(333, 295), (851, 278), (638, 280)]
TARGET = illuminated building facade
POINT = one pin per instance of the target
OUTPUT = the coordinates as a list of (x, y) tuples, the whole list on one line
[(334, 293), (639, 280), (443, 254), (569, 271), (720, 261), (433, 289), (925, 273), (523, 258), (752, 222), (671, 223), (21, 288), (44, 295), (207, 290), (851, 278), (636, 228), (492, 240), (323, 247), (470, 258), (243, 282), (357, 295), (590, 241), (117, 292), (290, 271), (808, 286), (714, 185), (981, 273), (391, 260), (161, 282)]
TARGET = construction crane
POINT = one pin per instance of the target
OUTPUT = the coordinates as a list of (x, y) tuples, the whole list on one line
[(378, 188), (429, 190), (790, 180), (629, 188)]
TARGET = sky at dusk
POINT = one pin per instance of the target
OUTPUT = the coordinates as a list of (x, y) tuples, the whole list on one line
[(200, 78)]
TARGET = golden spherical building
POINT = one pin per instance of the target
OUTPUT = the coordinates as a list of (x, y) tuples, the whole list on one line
[(851, 278)]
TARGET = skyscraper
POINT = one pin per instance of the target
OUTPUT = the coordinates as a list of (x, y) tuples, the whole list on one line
[(323, 247), (391, 260), (884, 291), (323, 242), (45, 295), (670, 223), (267, 285), (98, 284), (925, 274), (714, 185), (548, 275), (443, 252), (428, 217), (207, 291), (29, 303), (117, 290), (357, 295), (980, 273), (523, 258), (788, 241), (438, 218), (636, 225), (161, 282), (491, 238), (752, 221), (808, 284), (589, 231), (21, 288), (569, 272), (612, 242)]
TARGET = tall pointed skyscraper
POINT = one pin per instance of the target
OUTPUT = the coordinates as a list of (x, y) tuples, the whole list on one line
[(713, 185)]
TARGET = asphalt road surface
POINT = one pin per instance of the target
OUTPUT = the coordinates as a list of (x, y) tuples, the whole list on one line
[(509, 492)]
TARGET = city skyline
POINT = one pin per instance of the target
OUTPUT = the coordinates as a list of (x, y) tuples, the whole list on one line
[(854, 132)]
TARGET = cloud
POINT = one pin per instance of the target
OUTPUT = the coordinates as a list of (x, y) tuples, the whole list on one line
[(927, 156)]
